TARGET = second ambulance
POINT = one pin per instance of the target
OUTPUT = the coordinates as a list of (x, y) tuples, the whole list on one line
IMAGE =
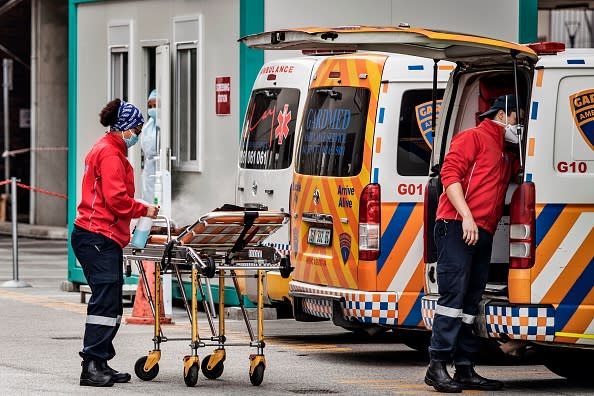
[(361, 163)]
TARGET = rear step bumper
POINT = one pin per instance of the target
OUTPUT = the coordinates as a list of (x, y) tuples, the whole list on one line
[(501, 319), (353, 305)]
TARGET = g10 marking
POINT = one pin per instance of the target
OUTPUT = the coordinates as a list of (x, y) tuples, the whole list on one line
[(410, 189), (572, 167)]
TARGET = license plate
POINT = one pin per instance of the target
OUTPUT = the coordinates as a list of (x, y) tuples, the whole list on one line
[(319, 236)]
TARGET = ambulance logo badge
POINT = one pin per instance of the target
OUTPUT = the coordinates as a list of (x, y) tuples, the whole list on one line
[(582, 108), (345, 246), (282, 130), (424, 117), (316, 196)]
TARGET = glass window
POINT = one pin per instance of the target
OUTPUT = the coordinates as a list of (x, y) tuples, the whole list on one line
[(186, 104), (333, 132), (119, 75), (414, 132), (269, 130), (118, 39), (150, 67)]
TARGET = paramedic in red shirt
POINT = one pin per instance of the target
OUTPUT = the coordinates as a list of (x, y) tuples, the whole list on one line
[(475, 175), (101, 230)]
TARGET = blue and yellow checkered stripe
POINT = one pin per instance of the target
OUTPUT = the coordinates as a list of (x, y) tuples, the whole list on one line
[(365, 307), (317, 307), (428, 311), (369, 307), (536, 323)]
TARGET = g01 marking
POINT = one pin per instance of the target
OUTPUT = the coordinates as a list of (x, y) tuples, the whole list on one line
[(410, 189), (572, 167)]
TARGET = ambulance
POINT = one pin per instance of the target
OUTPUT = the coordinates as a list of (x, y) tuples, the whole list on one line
[(540, 292), (541, 280), (265, 159), (356, 200)]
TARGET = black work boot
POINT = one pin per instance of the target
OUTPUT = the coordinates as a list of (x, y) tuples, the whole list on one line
[(438, 377), (469, 379), (116, 376), (93, 374)]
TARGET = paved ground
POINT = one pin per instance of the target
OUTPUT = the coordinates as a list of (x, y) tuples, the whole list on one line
[(42, 328)]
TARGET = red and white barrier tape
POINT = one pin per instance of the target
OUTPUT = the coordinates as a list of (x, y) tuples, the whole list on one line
[(35, 189), (13, 153), (41, 190)]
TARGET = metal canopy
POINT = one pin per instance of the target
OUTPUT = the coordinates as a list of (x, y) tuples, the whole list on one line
[(440, 45)]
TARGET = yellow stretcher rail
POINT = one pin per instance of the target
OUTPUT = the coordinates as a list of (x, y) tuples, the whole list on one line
[(217, 244)]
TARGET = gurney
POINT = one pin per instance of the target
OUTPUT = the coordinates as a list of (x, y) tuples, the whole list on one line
[(217, 244)]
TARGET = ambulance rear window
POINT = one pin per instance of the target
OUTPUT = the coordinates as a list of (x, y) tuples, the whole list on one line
[(414, 132), (333, 132), (269, 130)]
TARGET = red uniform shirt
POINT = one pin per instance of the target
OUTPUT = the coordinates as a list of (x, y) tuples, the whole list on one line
[(477, 161), (108, 203)]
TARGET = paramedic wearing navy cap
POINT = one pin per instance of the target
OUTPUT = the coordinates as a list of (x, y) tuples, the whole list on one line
[(101, 230), (475, 175)]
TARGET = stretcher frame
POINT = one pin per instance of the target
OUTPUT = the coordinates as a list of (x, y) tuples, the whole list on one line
[(217, 244)]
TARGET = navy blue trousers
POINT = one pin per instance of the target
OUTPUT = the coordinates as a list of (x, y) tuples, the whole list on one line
[(462, 273), (101, 259)]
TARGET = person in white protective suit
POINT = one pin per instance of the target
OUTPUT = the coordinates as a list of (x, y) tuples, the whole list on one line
[(149, 143)]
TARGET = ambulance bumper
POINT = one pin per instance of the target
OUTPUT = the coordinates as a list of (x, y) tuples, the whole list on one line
[(346, 305), (278, 287), (501, 319), (275, 288)]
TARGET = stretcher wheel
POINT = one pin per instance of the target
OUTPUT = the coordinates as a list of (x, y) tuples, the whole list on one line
[(258, 375), (210, 268), (192, 378), (216, 371), (145, 375)]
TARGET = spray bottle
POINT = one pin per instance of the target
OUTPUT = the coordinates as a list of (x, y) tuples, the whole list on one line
[(141, 232)]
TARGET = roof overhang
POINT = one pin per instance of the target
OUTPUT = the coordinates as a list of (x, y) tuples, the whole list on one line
[(564, 4)]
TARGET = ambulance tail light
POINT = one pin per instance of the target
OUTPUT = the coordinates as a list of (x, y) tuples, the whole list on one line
[(430, 202), (522, 221), (369, 222), (271, 77), (547, 47)]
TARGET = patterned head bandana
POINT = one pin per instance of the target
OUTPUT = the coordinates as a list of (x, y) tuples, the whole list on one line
[(129, 116)]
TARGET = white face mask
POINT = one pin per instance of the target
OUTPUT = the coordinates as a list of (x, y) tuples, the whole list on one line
[(511, 134), (511, 131)]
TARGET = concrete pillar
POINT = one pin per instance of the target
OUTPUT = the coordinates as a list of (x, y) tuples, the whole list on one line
[(49, 110)]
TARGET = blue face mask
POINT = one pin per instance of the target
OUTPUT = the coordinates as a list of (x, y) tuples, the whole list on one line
[(152, 113), (130, 141)]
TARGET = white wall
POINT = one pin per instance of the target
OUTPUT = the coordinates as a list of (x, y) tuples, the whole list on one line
[(497, 19), (194, 193)]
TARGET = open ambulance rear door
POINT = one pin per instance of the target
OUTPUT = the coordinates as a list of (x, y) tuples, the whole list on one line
[(464, 50)]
